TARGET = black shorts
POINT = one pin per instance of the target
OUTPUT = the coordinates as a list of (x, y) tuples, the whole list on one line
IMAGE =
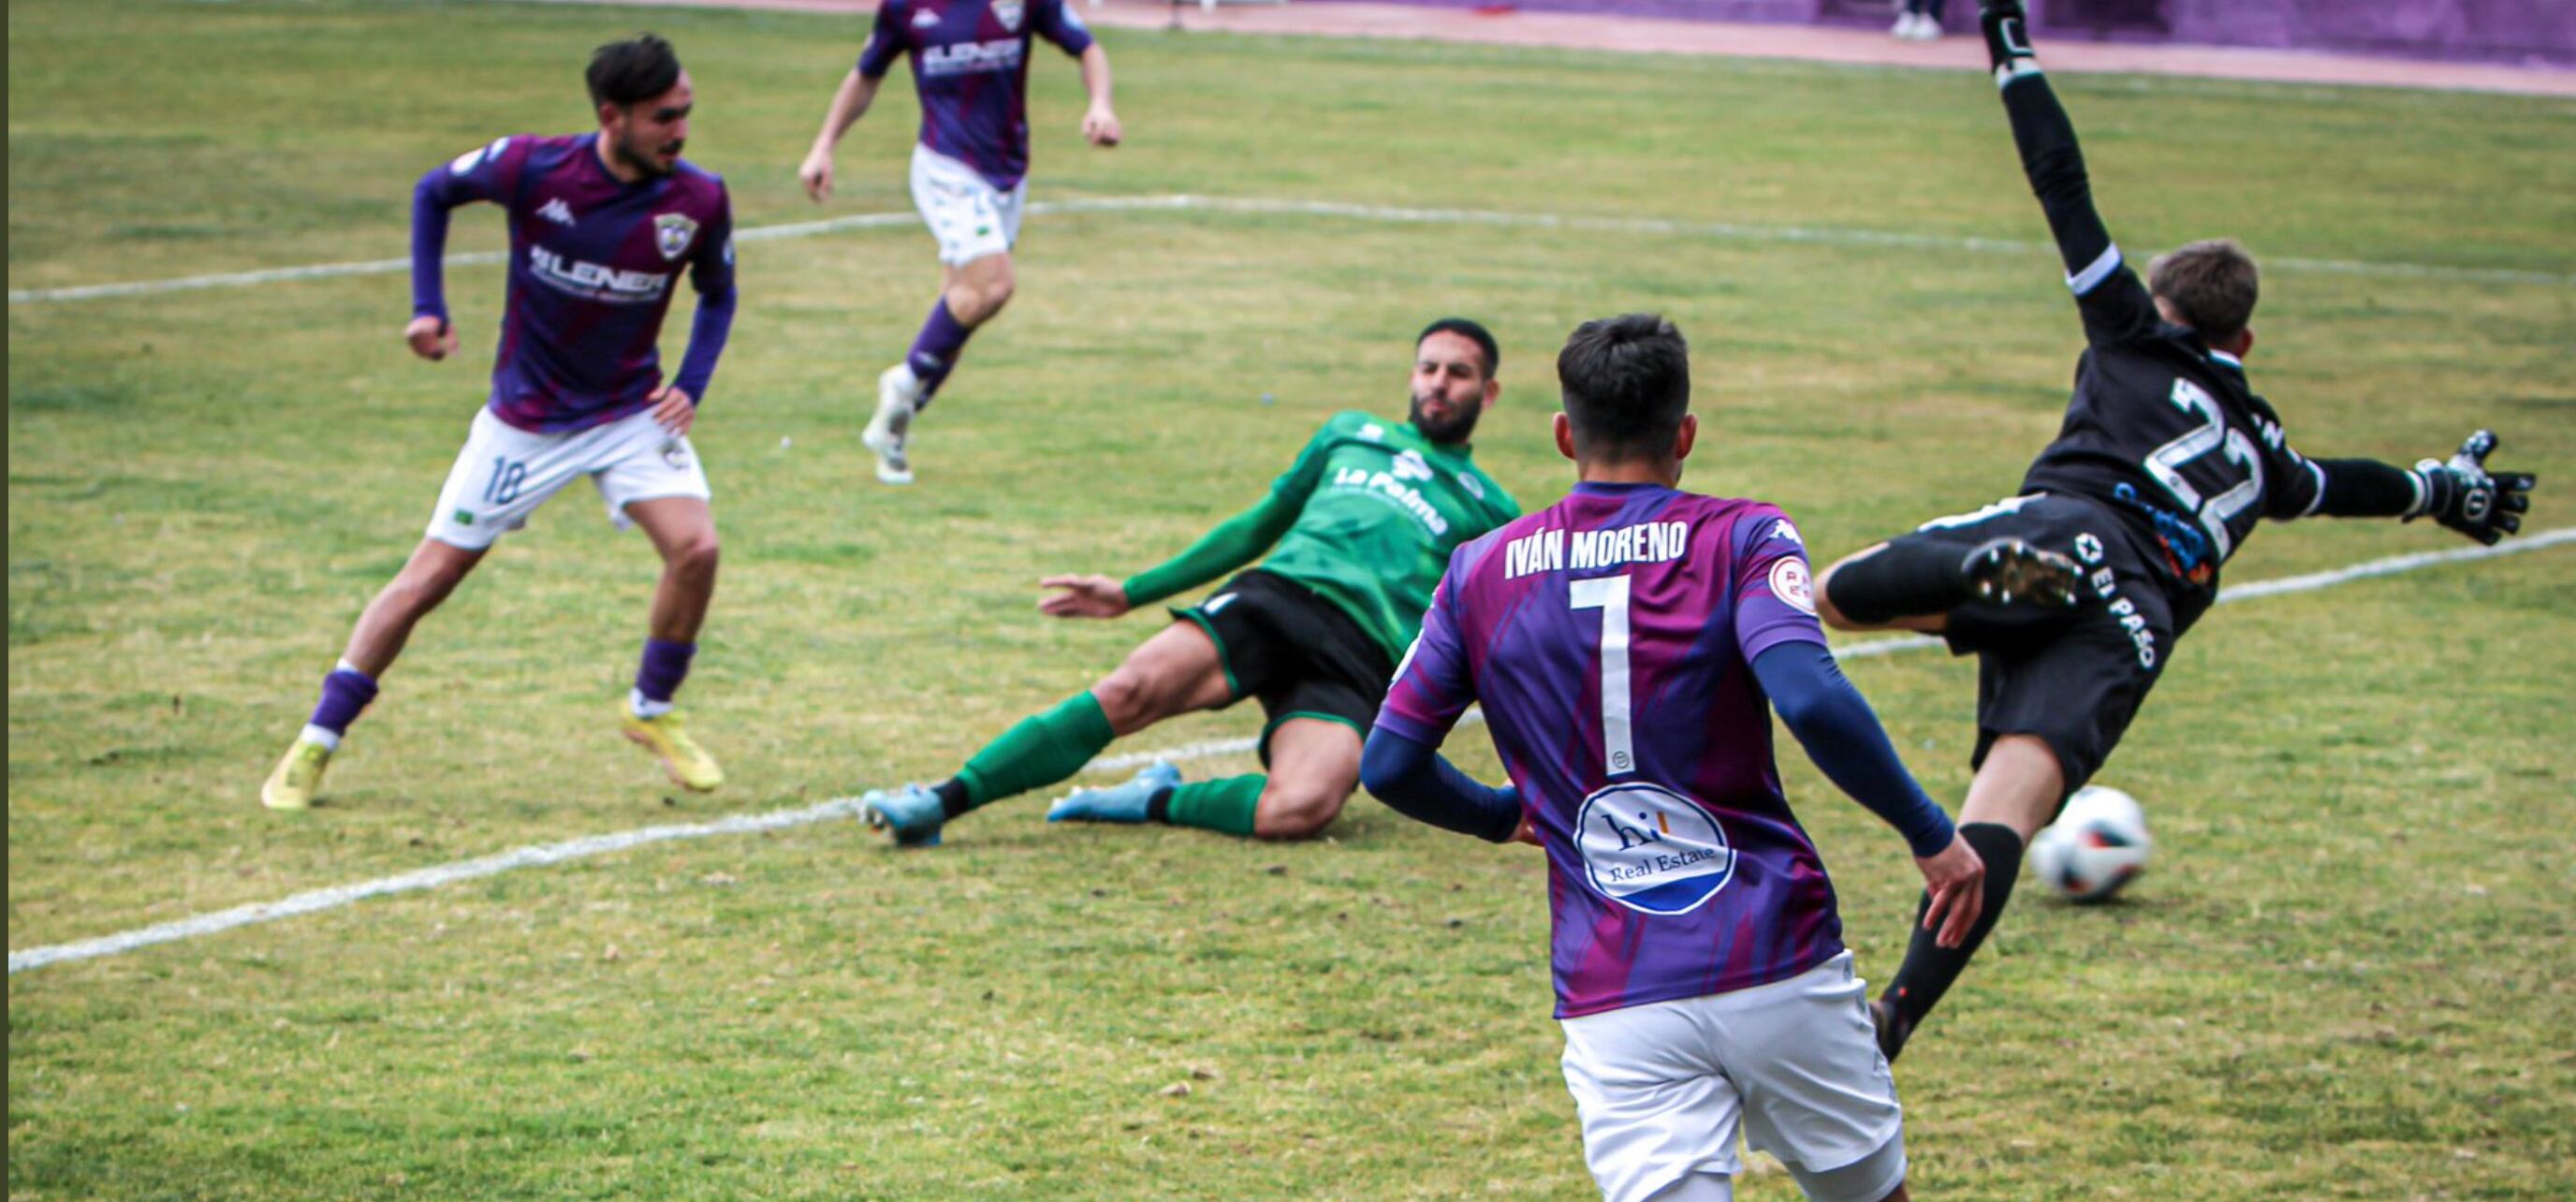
[(1299, 653), (2073, 678)]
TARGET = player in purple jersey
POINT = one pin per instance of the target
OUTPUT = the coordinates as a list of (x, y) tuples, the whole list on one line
[(602, 225), (970, 65), (2166, 462), (1628, 645)]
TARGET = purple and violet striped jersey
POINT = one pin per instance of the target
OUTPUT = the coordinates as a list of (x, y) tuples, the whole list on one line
[(970, 64), (592, 263), (1675, 868)]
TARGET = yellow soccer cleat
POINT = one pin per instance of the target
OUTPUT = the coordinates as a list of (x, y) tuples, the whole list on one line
[(297, 778), (688, 764)]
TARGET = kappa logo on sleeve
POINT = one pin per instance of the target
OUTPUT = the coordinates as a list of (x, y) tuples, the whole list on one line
[(1782, 529), (924, 19)]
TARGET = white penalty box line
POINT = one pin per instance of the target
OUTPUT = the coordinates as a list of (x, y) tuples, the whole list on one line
[(1834, 236), (543, 854)]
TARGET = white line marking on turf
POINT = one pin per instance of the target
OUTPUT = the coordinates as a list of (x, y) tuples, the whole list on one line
[(1266, 206), (541, 854)]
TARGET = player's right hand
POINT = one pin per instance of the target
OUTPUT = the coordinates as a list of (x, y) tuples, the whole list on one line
[(1083, 597), (431, 338), (2464, 496), (1955, 880), (816, 173)]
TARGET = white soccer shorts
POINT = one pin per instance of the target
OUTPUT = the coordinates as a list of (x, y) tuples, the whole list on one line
[(1662, 1089), (504, 473), (970, 217)]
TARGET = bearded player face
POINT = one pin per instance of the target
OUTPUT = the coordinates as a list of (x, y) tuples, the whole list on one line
[(1452, 387), (647, 137)]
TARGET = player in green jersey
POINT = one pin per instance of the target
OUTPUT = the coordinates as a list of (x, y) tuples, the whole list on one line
[(1359, 531)]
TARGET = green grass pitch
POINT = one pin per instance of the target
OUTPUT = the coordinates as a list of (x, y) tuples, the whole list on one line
[(2350, 972)]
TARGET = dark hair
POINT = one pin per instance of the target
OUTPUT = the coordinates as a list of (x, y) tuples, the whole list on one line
[(633, 71), (2211, 285), (1472, 331), (1626, 383)]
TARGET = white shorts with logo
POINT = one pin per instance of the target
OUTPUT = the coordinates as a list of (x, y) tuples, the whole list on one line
[(1662, 1088), (970, 217), (505, 472)]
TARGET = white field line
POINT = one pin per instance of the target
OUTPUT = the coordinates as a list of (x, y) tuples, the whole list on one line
[(1266, 206), (541, 854)]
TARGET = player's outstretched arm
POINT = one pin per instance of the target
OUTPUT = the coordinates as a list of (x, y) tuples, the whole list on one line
[(1413, 780), (2054, 165), (2458, 492), (1841, 734), (850, 101), (1234, 542)]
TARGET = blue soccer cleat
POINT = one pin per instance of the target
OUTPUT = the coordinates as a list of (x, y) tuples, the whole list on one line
[(912, 814), (1117, 803)]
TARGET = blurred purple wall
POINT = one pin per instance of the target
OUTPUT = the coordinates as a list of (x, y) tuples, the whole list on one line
[(2504, 31)]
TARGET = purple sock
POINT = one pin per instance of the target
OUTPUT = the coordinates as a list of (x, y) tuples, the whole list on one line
[(344, 692), (665, 666), (935, 349)]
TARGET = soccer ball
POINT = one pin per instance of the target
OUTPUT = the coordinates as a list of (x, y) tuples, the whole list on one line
[(2097, 843)]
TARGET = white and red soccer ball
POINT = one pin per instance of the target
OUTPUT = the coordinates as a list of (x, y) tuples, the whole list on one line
[(2097, 844)]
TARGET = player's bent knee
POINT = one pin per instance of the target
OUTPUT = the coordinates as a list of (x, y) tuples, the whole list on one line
[(697, 557), (1296, 813), (1127, 699)]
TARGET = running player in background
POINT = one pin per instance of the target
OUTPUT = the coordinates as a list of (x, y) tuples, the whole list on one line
[(601, 226), (1357, 531), (970, 65), (2165, 462), (1624, 643)]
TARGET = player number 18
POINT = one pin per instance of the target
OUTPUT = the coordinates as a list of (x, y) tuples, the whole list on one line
[(1609, 594)]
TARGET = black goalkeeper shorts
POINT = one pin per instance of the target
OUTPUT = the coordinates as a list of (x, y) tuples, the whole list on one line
[(2073, 678), (1299, 653)]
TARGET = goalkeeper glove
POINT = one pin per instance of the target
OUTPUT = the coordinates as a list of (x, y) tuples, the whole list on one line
[(2007, 36), (2464, 496)]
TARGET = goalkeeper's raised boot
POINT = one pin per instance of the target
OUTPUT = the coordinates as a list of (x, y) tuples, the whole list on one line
[(913, 814), (1129, 802), (898, 397), (297, 778), (2009, 571), (688, 765)]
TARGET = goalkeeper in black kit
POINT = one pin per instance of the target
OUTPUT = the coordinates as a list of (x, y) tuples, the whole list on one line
[(2073, 591)]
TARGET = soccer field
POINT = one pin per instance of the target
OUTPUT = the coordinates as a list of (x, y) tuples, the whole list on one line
[(2349, 973)]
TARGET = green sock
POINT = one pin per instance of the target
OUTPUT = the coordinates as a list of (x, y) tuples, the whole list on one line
[(1041, 750), (1217, 805)]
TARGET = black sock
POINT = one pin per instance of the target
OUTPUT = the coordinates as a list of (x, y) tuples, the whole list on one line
[(1929, 967), (952, 796), (1906, 579)]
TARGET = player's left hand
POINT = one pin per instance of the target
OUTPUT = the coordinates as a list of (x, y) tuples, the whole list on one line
[(1954, 879), (1083, 597), (673, 410), (2463, 495), (1100, 126)]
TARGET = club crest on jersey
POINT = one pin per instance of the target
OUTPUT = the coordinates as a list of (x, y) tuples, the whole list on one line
[(672, 234), (1651, 849), (1790, 583), (1008, 13)]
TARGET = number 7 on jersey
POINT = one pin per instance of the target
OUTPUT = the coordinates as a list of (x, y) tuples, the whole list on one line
[(1609, 594)]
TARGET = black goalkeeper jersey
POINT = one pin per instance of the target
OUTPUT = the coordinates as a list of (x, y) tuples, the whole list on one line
[(2161, 429), (2166, 431)]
